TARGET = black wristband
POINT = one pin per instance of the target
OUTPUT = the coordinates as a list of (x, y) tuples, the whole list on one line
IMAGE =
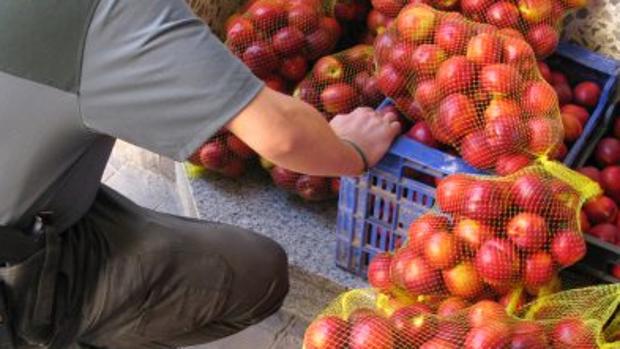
[(360, 152)]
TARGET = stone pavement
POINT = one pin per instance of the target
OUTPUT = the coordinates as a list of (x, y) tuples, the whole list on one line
[(149, 180)]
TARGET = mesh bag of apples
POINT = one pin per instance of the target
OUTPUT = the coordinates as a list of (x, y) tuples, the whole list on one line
[(536, 21), (337, 84), (493, 247), (361, 319), (479, 89)]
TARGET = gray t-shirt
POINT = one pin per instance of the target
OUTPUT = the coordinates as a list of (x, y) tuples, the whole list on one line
[(76, 74)]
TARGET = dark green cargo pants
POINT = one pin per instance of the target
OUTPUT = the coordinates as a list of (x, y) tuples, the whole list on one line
[(129, 278)]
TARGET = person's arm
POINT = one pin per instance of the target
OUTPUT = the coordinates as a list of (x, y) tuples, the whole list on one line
[(294, 135)]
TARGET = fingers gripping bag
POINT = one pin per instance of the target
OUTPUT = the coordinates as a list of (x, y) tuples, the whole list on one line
[(363, 319), (479, 90), (539, 22), (279, 40), (502, 238)]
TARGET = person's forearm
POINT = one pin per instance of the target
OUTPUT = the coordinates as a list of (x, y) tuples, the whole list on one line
[(295, 136)]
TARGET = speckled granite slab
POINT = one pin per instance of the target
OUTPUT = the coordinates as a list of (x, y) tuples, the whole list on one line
[(305, 230)]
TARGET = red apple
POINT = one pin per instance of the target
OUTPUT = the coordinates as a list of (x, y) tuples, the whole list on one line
[(531, 193), (477, 150), (333, 28), (329, 332), (384, 46), (559, 152), (452, 36), (485, 48), (544, 134), (615, 272), (579, 112), (607, 152), (490, 335), (452, 306), (419, 278), (538, 270), (440, 250), (288, 41), (463, 281), (328, 69), (568, 247), (539, 99), (241, 32), (503, 14), (239, 148), (511, 164), (359, 57), (379, 272), (339, 98), (457, 116), (497, 262), (261, 59), (544, 39), (451, 192), (234, 168), (484, 200), (505, 136), (472, 234), (572, 127), (528, 231), (485, 312), (294, 68), (558, 78), (319, 43), (422, 228), (388, 7), (601, 210), (267, 15), (587, 94), (456, 74), (312, 188), (416, 23), (545, 71), (528, 335), (439, 343), (284, 178), (371, 93), (413, 325), (212, 155), (427, 95), (564, 92), (584, 223), (500, 79), (502, 108), (276, 83), (610, 180), (304, 18), (426, 59), (371, 333), (391, 81), (573, 333), (475, 8), (535, 11), (421, 132), (606, 232)]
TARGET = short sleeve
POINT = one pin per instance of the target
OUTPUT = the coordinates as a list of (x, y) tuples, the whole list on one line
[(154, 75)]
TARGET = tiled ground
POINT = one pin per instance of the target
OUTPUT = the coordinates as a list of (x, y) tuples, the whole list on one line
[(146, 180)]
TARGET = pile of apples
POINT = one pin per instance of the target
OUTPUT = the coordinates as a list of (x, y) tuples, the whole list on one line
[(225, 154), (600, 216), (450, 324), (341, 82), (576, 101), (478, 89), (492, 237), (309, 188), (535, 20), (279, 39)]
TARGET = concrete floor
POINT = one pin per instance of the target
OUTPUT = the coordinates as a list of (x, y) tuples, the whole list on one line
[(138, 175)]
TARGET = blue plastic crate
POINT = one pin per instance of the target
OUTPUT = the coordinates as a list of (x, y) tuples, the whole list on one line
[(375, 210)]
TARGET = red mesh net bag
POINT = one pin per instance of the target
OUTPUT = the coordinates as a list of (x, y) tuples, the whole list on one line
[(224, 154), (337, 84), (492, 237), (478, 89), (361, 319), (537, 21), (279, 40)]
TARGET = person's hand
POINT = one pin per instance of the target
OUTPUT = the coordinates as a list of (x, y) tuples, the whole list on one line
[(371, 131)]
